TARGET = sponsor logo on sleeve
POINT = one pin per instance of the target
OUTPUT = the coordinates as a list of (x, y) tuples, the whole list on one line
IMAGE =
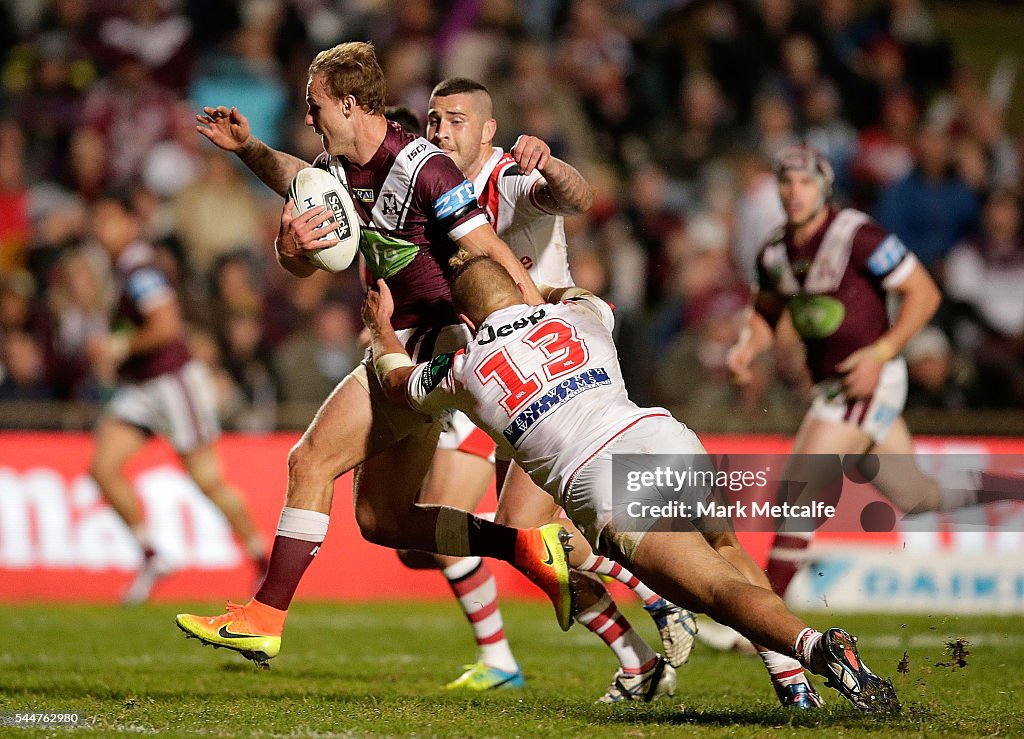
[(886, 256), (455, 199), (436, 370), (416, 151)]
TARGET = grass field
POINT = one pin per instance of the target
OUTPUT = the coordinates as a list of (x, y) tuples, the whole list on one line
[(375, 670)]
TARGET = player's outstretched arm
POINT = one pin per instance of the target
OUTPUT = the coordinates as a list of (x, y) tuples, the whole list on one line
[(229, 129), (483, 241), (563, 191), (390, 360)]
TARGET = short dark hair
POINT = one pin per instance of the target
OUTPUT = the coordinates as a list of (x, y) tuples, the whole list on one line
[(457, 86), (405, 118)]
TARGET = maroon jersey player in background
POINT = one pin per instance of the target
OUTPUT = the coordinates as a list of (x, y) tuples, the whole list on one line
[(162, 390), (830, 271)]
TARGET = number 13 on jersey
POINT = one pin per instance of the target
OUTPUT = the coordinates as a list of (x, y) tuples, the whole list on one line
[(557, 351)]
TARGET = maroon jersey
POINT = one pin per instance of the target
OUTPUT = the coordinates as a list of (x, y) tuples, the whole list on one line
[(413, 203), (144, 287), (834, 285)]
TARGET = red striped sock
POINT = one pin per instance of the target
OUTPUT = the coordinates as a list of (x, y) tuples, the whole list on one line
[(604, 619), (603, 566), (786, 559), (474, 587), (782, 669)]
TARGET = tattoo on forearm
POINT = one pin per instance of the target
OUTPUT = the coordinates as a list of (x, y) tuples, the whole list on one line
[(271, 166), (566, 192)]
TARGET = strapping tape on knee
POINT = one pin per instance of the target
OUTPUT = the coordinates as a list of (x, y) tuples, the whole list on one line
[(626, 541)]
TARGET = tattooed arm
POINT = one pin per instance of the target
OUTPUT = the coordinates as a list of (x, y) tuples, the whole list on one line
[(229, 130), (563, 191)]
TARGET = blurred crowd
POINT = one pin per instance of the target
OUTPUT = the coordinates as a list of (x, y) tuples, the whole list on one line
[(672, 109)]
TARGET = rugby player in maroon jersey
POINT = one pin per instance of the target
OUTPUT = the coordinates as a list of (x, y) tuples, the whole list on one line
[(830, 272), (416, 210), (161, 390)]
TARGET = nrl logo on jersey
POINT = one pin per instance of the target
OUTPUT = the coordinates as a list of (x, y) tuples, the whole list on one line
[(363, 194), (389, 204)]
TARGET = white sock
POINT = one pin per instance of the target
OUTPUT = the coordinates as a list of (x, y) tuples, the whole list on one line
[(956, 498), (804, 646), (783, 670)]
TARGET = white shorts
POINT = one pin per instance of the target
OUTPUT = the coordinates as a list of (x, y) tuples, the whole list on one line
[(587, 497), (462, 435), (875, 414), (181, 406)]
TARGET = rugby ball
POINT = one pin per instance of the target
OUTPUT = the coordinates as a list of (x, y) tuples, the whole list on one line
[(312, 187)]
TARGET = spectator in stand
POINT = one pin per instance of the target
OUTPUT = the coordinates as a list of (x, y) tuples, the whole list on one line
[(774, 125), (249, 69), (654, 222), (49, 106), (984, 275), (532, 84), (758, 209), (78, 315), (158, 38), (596, 58), (217, 214), (86, 172), (17, 301), (321, 355), (828, 131), (22, 370), (247, 359), (931, 208), (885, 152), (14, 224), (684, 143), (132, 113)]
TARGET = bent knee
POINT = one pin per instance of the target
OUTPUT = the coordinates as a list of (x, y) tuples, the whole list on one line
[(377, 528), (414, 559)]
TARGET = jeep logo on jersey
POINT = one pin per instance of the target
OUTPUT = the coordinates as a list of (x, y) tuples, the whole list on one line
[(388, 204), (333, 201), (489, 334)]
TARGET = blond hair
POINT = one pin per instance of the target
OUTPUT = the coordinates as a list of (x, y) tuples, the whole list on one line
[(481, 286), (352, 69)]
